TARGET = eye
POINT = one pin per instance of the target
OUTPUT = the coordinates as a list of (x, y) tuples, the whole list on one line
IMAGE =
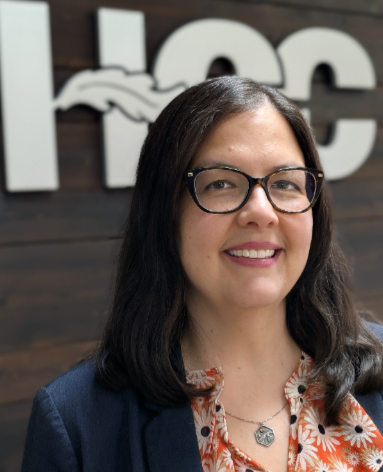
[(219, 185), (284, 185)]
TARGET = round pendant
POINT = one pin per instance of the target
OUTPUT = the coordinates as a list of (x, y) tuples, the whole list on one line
[(264, 435)]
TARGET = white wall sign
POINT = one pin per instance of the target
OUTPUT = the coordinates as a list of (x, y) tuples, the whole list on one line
[(26, 97), (301, 53), (129, 98)]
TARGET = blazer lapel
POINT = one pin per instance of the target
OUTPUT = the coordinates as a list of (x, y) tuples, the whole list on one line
[(171, 441), (372, 403)]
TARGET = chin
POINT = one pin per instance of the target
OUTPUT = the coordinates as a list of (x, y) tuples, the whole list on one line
[(258, 299)]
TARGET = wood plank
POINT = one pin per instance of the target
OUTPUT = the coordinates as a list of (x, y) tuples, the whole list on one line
[(22, 373), (80, 155), (368, 7), (329, 103), (61, 216), (357, 200), (14, 420), (362, 243), (55, 293)]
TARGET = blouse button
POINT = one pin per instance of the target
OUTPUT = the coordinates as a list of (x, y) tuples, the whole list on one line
[(301, 389)]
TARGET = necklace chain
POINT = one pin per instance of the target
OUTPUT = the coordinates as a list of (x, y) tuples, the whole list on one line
[(258, 422)]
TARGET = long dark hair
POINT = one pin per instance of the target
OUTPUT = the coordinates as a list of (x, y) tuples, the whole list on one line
[(141, 343)]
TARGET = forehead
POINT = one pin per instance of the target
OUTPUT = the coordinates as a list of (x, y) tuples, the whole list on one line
[(256, 141)]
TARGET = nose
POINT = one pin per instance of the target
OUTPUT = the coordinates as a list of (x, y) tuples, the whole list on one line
[(258, 210)]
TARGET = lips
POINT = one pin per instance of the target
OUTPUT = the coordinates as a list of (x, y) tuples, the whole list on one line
[(254, 253), (256, 245)]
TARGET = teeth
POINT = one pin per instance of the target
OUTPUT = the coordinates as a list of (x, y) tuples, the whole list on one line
[(253, 254)]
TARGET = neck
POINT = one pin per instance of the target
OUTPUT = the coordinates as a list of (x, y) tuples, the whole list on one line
[(252, 341)]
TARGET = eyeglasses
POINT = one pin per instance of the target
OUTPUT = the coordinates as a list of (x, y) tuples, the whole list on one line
[(225, 189)]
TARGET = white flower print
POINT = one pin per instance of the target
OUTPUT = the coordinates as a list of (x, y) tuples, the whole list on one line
[(306, 452), (324, 436), (215, 444), (208, 465), (241, 466), (305, 361), (353, 400), (354, 445), (322, 467), (200, 400), (304, 369), (221, 464), (213, 464), (295, 409), (239, 455), (222, 427), (296, 385), (373, 458), (292, 458), (200, 379), (203, 429), (339, 466), (226, 455), (358, 428), (351, 457)]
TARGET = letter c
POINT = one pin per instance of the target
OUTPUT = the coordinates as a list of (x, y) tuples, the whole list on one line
[(187, 54), (301, 53)]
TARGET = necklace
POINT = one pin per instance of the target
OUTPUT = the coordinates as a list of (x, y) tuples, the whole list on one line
[(264, 435)]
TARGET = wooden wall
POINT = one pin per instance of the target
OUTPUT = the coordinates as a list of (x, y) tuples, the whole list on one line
[(58, 250)]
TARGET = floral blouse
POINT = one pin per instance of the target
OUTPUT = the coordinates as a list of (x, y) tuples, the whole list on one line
[(355, 445)]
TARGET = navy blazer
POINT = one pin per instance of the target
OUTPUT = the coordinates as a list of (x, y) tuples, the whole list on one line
[(77, 425)]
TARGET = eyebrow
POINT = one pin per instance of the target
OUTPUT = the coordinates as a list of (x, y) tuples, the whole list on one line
[(290, 164), (215, 163), (271, 170)]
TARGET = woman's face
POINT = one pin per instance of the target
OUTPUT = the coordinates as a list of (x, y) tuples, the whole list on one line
[(256, 142)]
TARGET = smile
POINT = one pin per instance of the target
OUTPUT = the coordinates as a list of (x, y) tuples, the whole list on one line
[(252, 253)]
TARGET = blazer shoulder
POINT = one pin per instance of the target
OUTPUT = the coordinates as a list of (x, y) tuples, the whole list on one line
[(82, 410), (77, 394), (80, 379)]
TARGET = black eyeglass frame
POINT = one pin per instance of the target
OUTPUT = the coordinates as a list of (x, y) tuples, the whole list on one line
[(191, 174)]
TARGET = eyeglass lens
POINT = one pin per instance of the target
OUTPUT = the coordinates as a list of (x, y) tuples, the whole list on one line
[(222, 190)]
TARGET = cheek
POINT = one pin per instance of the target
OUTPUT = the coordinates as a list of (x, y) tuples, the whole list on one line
[(200, 238), (197, 237), (301, 234), (192, 237)]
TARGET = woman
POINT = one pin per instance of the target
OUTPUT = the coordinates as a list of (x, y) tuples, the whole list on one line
[(227, 271)]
